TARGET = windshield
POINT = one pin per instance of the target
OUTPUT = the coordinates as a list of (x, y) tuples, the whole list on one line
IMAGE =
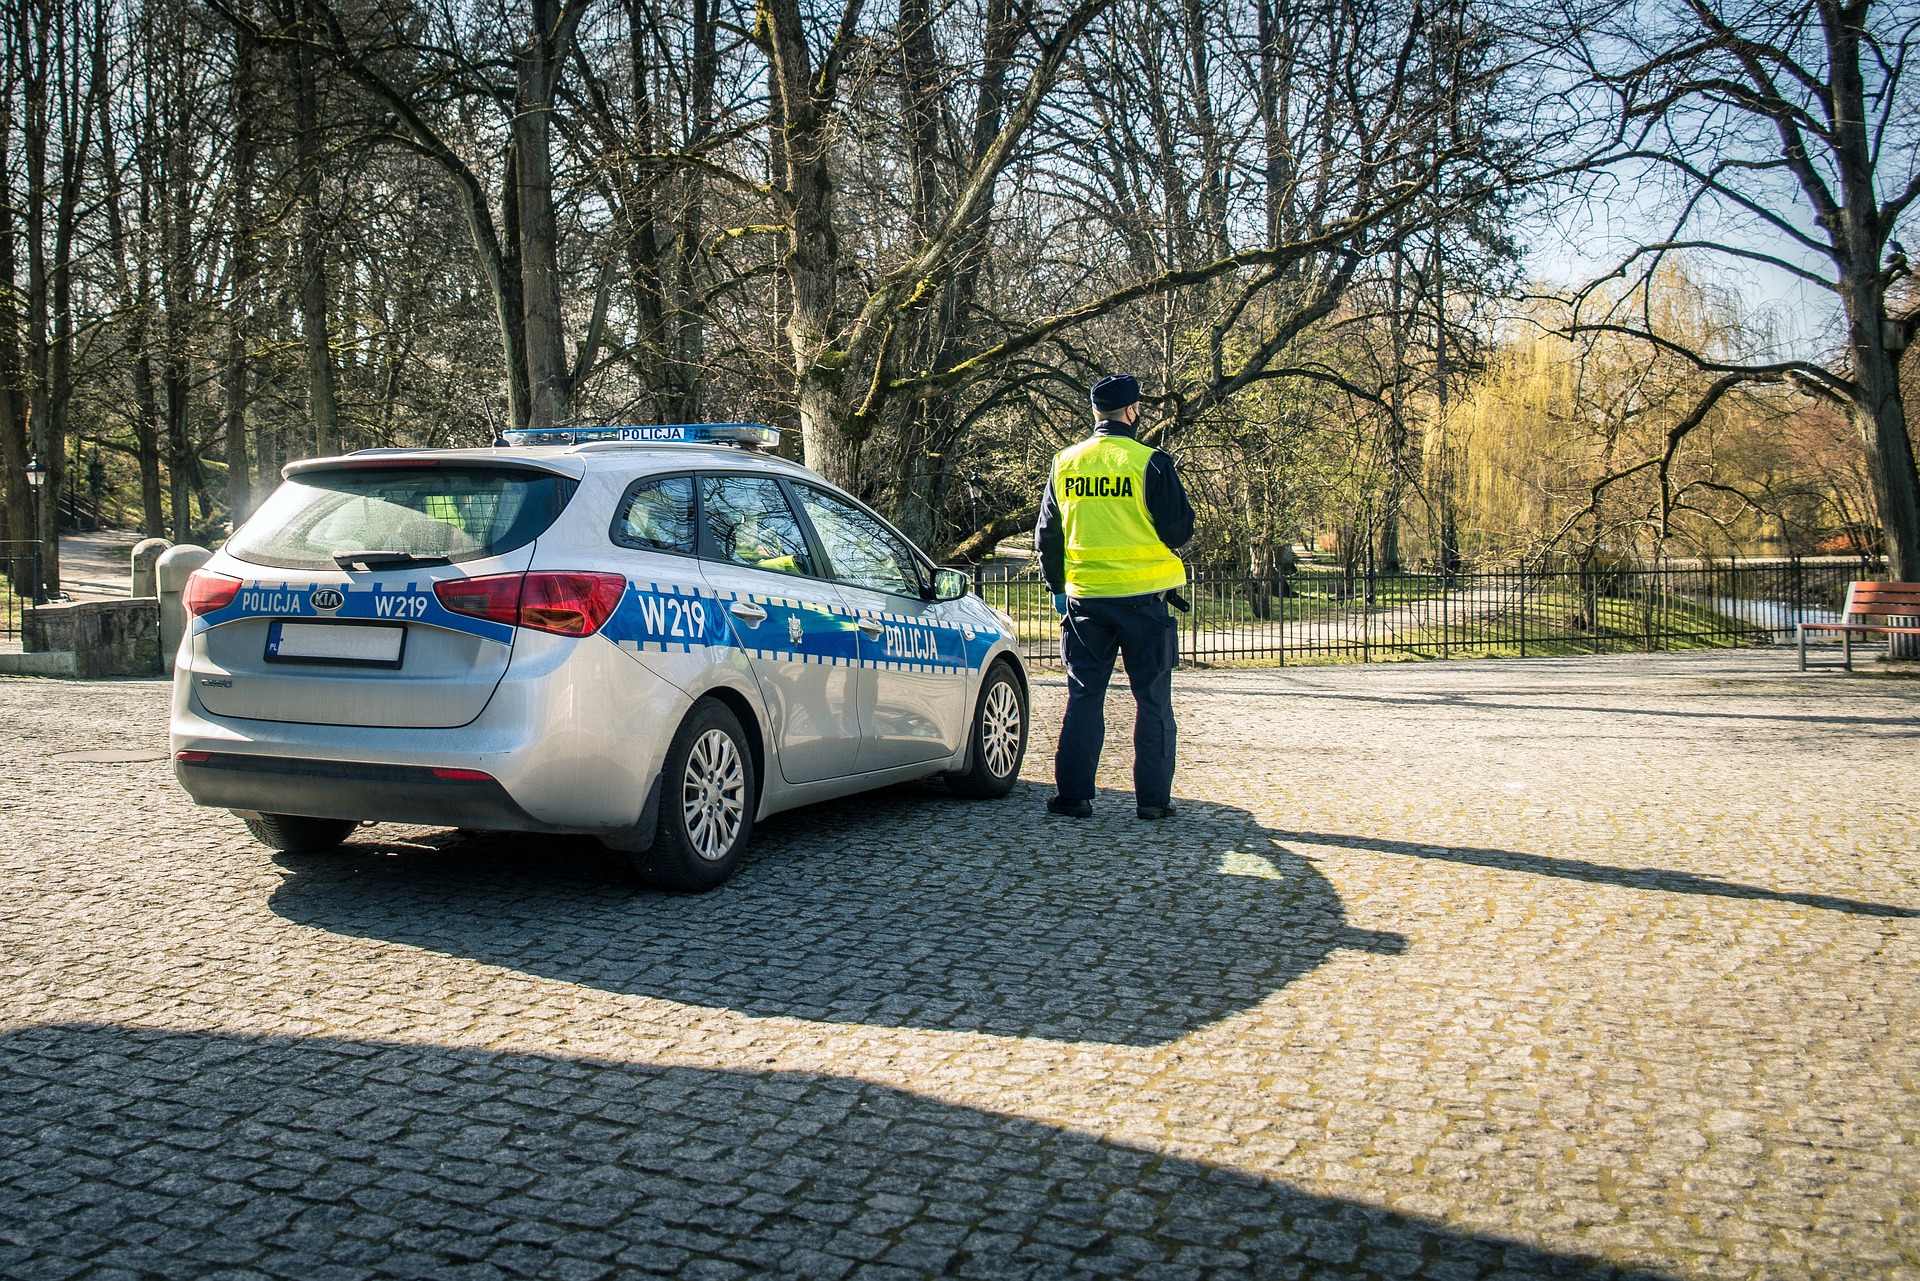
[(400, 515)]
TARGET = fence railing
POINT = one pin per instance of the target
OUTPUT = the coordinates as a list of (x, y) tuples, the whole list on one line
[(1324, 615), (19, 576)]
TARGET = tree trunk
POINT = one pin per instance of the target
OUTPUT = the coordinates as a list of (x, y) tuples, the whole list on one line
[(146, 437), (812, 260), (1859, 230), (1396, 424), (536, 68), (688, 330), (33, 39), (176, 190), (179, 451), (239, 305), (322, 398), (131, 277), (14, 447), (689, 311), (926, 457), (1275, 34)]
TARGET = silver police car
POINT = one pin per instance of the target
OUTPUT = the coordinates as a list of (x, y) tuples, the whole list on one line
[(653, 635)]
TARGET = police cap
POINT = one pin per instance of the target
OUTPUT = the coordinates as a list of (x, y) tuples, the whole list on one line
[(1115, 391)]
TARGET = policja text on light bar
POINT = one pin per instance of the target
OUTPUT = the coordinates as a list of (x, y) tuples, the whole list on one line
[(749, 434)]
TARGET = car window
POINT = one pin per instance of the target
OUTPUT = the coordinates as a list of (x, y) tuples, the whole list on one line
[(749, 522), (657, 515), (859, 548), (441, 512)]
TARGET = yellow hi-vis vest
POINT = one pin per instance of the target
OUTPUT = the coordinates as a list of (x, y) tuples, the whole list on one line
[(1100, 487)]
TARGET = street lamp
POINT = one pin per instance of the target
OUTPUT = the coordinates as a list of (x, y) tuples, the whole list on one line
[(975, 492), (36, 476)]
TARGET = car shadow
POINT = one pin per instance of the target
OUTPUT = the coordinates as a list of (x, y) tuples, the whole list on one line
[(903, 907), (134, 1151)]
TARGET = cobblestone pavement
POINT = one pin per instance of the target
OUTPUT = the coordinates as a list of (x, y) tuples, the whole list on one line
[(1449, 970)]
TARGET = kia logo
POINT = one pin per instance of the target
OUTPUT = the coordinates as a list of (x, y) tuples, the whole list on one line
[(327, 598)]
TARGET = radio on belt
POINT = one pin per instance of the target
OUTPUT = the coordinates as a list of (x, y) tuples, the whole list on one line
[(747, 435)]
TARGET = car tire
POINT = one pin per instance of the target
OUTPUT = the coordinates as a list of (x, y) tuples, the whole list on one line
[(706, 804), (999, 740), (294, 834)]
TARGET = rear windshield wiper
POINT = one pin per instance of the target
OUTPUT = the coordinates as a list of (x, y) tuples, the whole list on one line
[(386, 560)]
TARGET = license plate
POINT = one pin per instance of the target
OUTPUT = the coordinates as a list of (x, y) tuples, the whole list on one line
[(337, 644)]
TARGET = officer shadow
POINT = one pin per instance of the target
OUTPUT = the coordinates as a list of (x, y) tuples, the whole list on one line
[(902, 908)]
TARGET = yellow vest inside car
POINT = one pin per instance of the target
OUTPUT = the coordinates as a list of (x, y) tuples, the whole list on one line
[(1100, 485)]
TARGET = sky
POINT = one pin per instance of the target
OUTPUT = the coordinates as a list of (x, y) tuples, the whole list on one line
[(1578, 241)]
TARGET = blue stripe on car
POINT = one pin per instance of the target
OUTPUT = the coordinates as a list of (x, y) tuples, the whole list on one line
[(659, 618), (412, 602)]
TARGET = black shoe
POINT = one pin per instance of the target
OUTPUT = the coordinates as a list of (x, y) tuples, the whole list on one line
[(1072, 809), (1155, 811)]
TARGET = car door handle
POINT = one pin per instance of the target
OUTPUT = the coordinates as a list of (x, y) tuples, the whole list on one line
[(748, 612), (871, 629)]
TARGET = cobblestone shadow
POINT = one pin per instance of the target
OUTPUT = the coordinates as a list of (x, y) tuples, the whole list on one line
[(154, 1153), (902, 908)]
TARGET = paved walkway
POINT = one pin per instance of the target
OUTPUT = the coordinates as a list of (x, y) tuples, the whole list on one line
[(1448, 970), (97, 566)]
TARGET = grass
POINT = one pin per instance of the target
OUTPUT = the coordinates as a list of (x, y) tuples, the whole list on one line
[(1552, 631)]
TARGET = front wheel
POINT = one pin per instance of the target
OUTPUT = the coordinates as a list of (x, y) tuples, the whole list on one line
[(706, 804), (999, 739), (293, 834)]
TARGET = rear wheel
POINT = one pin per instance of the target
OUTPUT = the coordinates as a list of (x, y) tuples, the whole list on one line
[(999, 739), (706, 804), (293, 834)]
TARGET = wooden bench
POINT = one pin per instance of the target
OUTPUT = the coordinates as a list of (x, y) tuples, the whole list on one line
[(1867, 600)]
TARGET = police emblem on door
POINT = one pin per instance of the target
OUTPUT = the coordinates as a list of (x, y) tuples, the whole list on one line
[(794, 630)]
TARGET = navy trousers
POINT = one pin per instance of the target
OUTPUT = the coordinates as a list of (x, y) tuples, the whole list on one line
[(1140, 629)]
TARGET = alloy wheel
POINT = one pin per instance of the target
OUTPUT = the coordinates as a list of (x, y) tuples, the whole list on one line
[(713, 795), (1000, 729)]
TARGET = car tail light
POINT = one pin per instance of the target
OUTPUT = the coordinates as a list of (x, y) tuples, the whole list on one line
[(564, 602), (208, 593), (570, 604), (495, 597)]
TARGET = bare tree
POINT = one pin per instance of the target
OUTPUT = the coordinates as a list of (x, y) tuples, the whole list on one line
[(1785, 133)]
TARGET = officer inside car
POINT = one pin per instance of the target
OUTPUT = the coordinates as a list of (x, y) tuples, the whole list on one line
[(1112, 517)]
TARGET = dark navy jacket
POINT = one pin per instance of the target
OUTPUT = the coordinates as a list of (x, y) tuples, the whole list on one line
[(1167, 505)]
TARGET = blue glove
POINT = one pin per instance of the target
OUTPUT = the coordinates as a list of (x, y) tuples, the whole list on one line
[(1060, 604)]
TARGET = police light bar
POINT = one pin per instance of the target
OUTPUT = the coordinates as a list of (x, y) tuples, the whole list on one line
[(750, 434)]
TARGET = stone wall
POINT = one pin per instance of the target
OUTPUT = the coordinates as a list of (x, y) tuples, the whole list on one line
[(106, 637)]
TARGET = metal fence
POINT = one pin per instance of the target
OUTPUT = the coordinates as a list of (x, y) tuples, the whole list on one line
[(1324, 615), (19, 574)]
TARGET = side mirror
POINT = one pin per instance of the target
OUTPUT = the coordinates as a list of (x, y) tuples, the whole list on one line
[(949, 584)]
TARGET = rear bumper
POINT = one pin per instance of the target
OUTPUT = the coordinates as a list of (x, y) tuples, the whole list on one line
[(349, 789), (573, 737)]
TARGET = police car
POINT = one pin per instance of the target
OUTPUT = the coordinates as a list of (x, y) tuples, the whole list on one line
[(653, 635)]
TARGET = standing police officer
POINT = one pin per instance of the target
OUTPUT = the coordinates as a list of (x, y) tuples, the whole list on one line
[(1113, 513)]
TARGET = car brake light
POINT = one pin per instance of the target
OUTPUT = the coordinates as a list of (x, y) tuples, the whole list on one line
[(208, 593), (569, 603), (564, 602)]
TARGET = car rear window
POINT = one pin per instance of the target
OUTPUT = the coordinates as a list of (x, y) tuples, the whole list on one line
[(317, 520)]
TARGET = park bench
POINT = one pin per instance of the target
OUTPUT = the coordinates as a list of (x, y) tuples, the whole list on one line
[(1885, 601)]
